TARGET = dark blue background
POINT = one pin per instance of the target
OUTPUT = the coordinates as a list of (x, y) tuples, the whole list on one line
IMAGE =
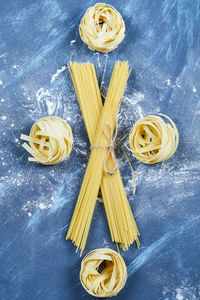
[(162, 45)]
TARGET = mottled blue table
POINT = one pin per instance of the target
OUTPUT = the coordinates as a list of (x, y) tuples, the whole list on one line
[(162, 45)]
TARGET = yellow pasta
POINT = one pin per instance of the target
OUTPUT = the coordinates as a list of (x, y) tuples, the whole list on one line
[(122, 225), (50, 141), (102, 28), (153, 140), (107, 282)]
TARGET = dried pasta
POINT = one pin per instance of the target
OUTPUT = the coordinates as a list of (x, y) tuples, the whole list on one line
[(153, 140), (102, 28), (50, 141), (122, 225), (110, 280)]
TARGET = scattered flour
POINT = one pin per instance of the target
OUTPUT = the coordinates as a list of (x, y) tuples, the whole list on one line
[(41, 93), (2, 99), (1, 82), (48, 103), (98, 59), (54, 76), (43, 206), (178, 84), (133, 102), (29, 207), (104, 71), (134, 98), (187, 291), (178, 295), (3, 118)]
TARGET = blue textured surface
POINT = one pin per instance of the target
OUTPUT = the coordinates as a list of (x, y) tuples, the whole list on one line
[(162, 45)]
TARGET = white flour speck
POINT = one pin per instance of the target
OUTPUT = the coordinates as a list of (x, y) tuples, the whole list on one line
[(3, 118), (15, 66), (194, 89), (2, 99), (168, 81), (42, 206), (54, 76), (72, 42), (1, 82)]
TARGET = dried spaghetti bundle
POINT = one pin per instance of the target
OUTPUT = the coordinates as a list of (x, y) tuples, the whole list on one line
[(153, 140), (110, 280), (122, 225), (50, 141), (102, 28)]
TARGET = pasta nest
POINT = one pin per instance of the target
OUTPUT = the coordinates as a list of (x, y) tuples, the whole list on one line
[(152, 140), (102, 28), (107, 282), (50, 141)]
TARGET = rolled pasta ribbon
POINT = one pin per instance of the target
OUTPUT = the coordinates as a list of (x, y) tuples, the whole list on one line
[(110, 280), (102, 28), (50, 141), (153, 140)]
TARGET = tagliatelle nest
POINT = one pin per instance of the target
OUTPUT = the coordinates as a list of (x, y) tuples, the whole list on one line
[(103, 273), (50, 141), (153, 140), (102, 28)]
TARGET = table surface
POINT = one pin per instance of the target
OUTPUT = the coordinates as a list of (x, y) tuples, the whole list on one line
[(162, 45)]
